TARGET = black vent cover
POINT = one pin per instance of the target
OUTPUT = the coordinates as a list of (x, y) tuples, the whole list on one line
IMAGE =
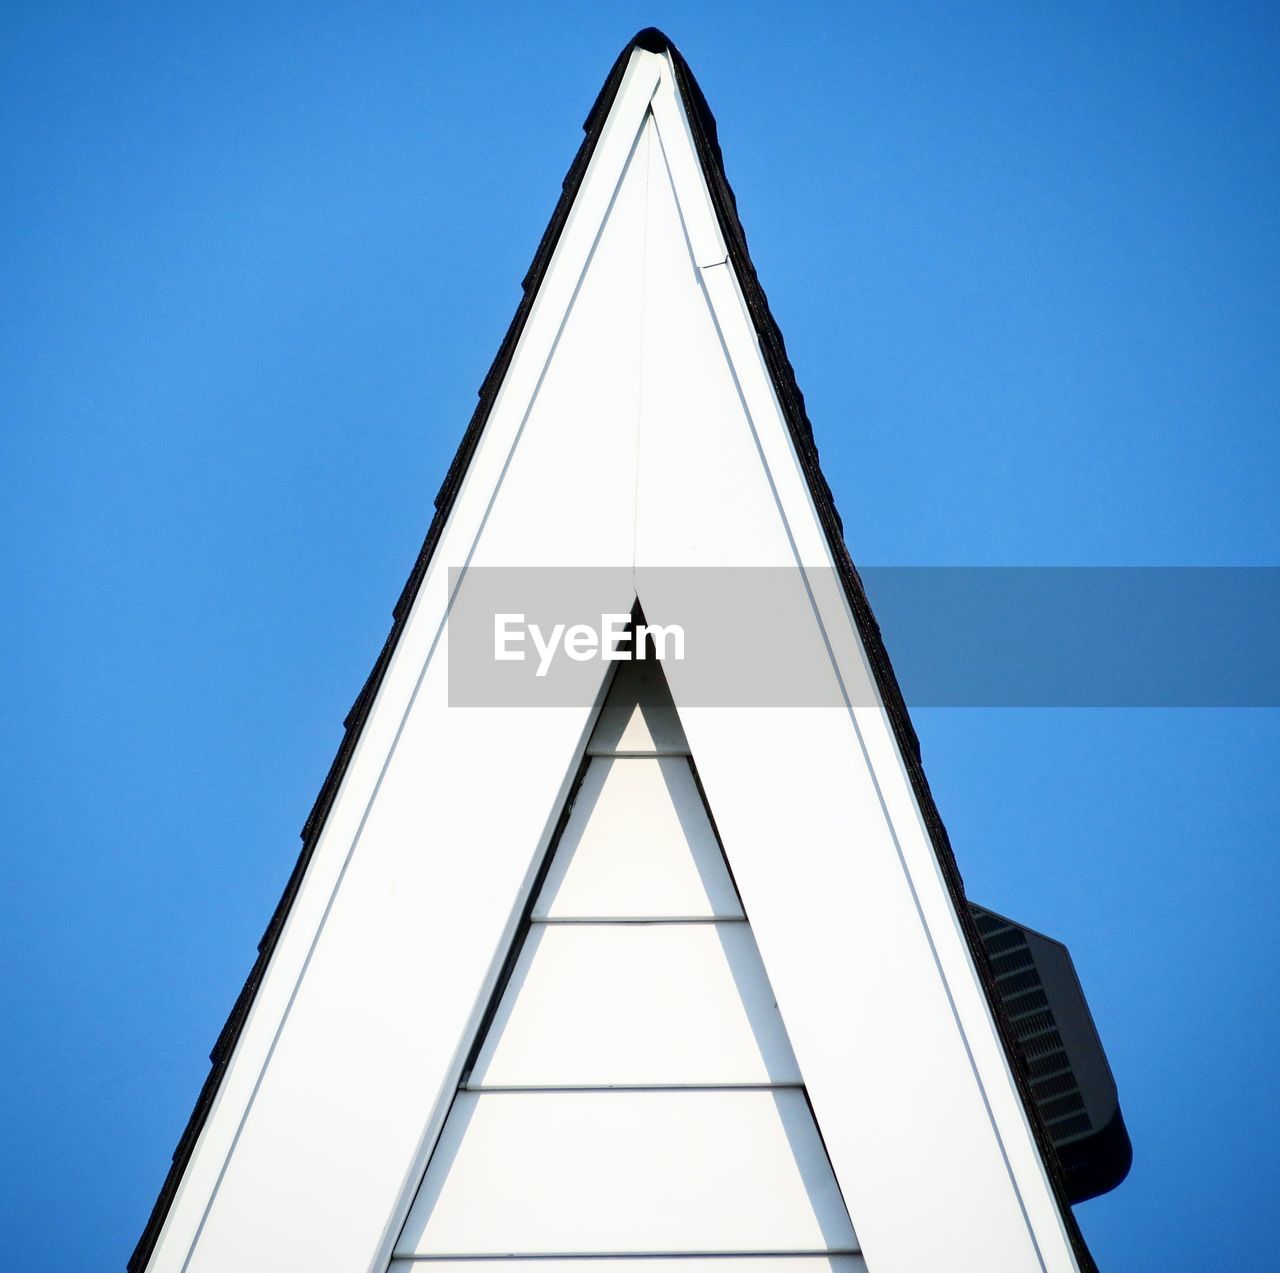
[(1067, 1068)]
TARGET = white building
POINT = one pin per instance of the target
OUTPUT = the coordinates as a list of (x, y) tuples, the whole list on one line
[(633, 977)]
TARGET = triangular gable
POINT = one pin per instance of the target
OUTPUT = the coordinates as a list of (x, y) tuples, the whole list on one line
[(645, 351)]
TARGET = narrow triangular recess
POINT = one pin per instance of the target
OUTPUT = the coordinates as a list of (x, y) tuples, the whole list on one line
[(634, 1093)]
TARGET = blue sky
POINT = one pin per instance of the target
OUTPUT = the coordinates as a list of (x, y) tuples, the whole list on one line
[(257, 260)]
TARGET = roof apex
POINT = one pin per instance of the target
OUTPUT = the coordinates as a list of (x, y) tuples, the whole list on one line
[(652, 41)]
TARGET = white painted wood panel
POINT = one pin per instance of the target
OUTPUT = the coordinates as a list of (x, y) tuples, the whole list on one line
[(639, 1264), (908, 1081), (638, 844), (335, 1093), (638, 716), (636, 1004), (644, 1172)]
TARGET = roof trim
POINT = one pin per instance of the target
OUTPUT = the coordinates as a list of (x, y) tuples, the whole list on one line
[(703, 128)]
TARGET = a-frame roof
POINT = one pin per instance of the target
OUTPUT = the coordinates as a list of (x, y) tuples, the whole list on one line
[(790, 402)]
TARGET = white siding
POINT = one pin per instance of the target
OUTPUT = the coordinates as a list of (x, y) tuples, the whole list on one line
[(639, 717), (638, 845), (638, 1264), (563, 1173), (334, 1087), (832, 857), (605, 1005)]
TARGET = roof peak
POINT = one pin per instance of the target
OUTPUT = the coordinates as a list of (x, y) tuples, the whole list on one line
[(652, 41)]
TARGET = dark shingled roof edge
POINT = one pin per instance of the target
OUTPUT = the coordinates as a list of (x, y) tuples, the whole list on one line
[(703, 126)]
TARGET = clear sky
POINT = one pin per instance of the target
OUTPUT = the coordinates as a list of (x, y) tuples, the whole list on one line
[(257, 259)]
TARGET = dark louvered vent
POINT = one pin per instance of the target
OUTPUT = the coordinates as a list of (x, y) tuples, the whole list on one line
[(1070, 1079)]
